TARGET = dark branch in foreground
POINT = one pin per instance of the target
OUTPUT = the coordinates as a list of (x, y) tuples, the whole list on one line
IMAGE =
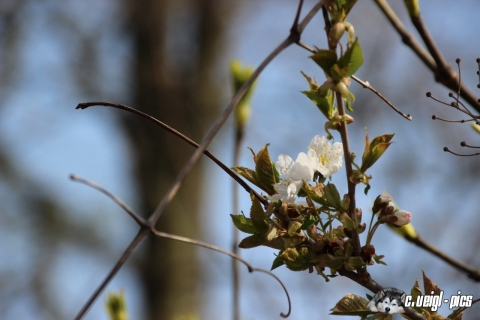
[(232, 174)]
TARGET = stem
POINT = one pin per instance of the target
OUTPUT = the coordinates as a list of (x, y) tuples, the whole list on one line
[(348, 168), (422, 243), (239, 134), (142, 233)]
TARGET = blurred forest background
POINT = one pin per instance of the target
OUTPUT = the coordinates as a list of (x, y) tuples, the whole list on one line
[(58, 239)]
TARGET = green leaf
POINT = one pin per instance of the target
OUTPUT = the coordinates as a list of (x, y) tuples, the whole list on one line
[(252, 241), (367, 188), (248, 174), (258, 216), (315, 193), (243, 224), (323, 103), (257, 240), (278, 262), (351, 305), (352, 60), (332, 196), (347, 222), (325, 59), (374, 150), (264, 172), (308, 221)]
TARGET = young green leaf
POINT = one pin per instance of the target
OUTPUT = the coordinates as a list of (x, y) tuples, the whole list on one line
[(258, 216), (351, 60), (325, 59), (265, 174), (332, 196), (374, 150), (278, 262), (243, 224)]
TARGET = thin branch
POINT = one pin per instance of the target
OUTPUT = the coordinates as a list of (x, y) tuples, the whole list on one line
[(292, 38), (435, 117), (138, 219), (447, 76), (461, 155), (348, 168), (142, 233), (422, 243), (464, 144), (228, 253), (369, 87), (229, 171)]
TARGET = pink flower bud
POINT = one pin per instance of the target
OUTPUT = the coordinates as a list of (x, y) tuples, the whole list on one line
[(381, 202), (403, 218)]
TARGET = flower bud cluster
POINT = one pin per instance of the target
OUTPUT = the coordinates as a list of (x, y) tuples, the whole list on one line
[(388, 210)]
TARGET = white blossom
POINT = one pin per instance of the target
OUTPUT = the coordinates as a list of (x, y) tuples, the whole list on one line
[(328, 158), (292, 175)]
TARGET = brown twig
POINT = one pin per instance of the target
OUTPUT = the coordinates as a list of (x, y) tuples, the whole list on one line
[(142, 233), (136, 217), (422, 243), (228, 253), (229, 171), (443, 73), (369, 87)]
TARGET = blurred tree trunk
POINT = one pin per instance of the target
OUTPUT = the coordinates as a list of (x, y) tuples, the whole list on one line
[(177, 47)]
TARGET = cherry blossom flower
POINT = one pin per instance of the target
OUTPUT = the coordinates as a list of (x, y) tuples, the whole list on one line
[(292, 176), (328, 158)]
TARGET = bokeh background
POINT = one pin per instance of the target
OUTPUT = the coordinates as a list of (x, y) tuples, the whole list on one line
[(58, 238)]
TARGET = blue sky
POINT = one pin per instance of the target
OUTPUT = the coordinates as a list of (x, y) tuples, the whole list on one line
[(50, 140)]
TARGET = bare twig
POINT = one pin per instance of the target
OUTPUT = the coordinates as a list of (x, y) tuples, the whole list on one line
[(142, 233), (228, 253), (443, 73), (460, 155), (369, 87), (137, 218), (422, 243), (232, 174)]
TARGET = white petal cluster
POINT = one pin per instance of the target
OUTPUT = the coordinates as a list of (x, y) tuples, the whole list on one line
[(321, 157), (292, 175), (328, 157)]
